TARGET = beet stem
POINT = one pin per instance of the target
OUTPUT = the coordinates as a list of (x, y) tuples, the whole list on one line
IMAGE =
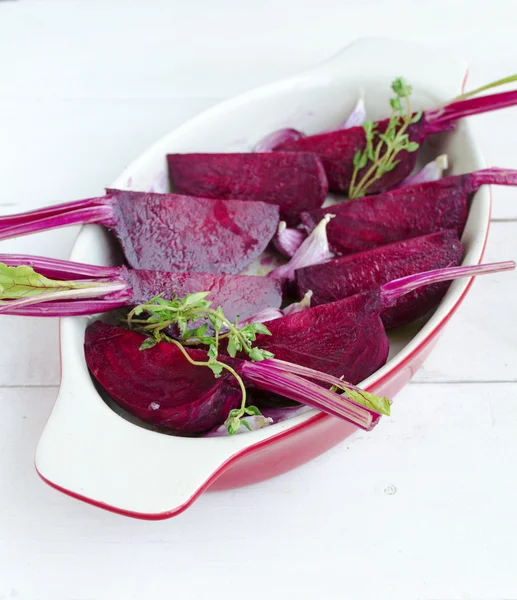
[(49, 211), (94, 292), (493, 176), (299, 389), (59, 269), (443, 116), (66, 308), (55, 286), (31, 222), (282, 365), (393, 290)]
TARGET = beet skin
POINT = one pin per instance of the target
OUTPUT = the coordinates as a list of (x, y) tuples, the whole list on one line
[(364, 271), (296, 182)]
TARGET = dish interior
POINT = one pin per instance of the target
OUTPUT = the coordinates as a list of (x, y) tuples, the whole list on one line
[(311, 105)]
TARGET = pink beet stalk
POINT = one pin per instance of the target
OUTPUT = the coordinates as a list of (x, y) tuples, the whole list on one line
[(59, 269), (399, 287), (296, 388), (440, 118), (93, 210)]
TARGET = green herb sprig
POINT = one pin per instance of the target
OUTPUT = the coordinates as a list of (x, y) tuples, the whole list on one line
[(382, 148), (158, 315)]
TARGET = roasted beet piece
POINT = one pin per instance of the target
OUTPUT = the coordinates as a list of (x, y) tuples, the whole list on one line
[(294, 181), (99, 289), (364, 271), (405, 212), (168, 232)]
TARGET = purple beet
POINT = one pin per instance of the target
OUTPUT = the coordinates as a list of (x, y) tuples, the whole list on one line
[(338, 148), (108, 288), (161, 387), (365, 271), (404, 212), (294, 182), (346, 338), (158, 385), (168, 232)]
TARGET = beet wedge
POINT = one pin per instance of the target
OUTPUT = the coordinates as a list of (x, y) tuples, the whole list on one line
[(160, 386), (404, 212), (61, 288), (167, 232), (346, 338), (366, 271), (338, 148), (294, 182)]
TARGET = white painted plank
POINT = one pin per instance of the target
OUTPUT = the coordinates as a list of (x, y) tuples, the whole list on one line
[(422, 507), (480, 341)]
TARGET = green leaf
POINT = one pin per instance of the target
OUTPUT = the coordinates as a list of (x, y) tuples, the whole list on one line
[(400, 87), (246, 424), (194, 299), (403, 139), (212, 352), (216, 322), (261, 328), (368, 127), (396, 104), (412, 147), (233, 346), (378, 403), (25, 282), (357, 158), (150, 342), (199, 332), (217, 368), (391, 166), (233, 426), (363, 161), (416, 117), (252, 410), (256, 354)]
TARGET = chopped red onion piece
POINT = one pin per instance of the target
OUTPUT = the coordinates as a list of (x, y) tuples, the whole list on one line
[(271, 141), (313, 250), (431, 172), (287, 239)]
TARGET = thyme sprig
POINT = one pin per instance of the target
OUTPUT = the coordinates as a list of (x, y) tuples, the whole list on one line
[(158, 317), (382, 148)]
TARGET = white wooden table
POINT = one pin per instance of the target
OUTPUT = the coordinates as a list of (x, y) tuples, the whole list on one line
[(422, 508)]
